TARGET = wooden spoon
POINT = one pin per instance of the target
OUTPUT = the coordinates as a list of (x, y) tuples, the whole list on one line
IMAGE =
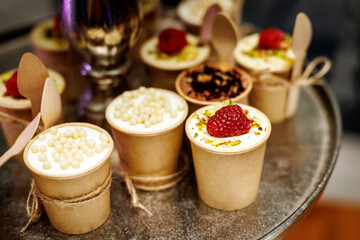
[(207, 24), (225, 36), (50, 104), (31, 79), (302, 35), (22, 140)]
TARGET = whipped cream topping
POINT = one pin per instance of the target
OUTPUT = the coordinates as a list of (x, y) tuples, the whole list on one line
[(192, 55), (193, 12), (45, 148), (272, 63), (146, 111), (259, 131)]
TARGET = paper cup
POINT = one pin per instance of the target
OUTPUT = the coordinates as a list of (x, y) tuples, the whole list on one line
[(152, 153), (195, 104), (60, 57), (77, 218), (228, 179)]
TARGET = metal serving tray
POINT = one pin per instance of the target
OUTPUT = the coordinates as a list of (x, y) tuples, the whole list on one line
[(300, 156)]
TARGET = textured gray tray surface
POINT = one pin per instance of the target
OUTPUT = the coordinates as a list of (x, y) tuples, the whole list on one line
[(299, 159)]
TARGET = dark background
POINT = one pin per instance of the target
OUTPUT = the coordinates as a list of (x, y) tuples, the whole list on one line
[(336, 27)]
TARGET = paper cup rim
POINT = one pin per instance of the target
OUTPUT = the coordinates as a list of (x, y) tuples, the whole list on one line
[(206, 103), (76, 175), (225, 151), (26, 104), (174, 68), (150, 133)]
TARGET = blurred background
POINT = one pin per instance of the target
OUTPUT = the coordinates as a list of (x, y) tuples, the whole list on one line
[(336, 27)]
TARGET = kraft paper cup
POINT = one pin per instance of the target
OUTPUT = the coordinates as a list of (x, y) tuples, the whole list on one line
[(195, 104), (75, 219), (228, 179), (60, 57), (149, 154), (270, 100), (21, 108)]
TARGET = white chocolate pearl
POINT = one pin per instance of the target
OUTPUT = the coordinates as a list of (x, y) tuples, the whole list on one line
[(160, 119), (65, 150), (41, 137), (103, 137), (64, 165), (82, 133), (82, 144), (75, 146), (142, 89), (133, 121), (62, 158), (117, 114), (78, 128), (34, 149), (43, 148), (152, 91), (167, 109), (78, 157), (127, 94), (68, 134), (117, 107), (104, 144), (160, 112), (61, 135), (98, 149), (70, 141), (67, 146), (51, 143), (75, 164), (153, 120), (59, 148), (68, 155), (76, 135), (83, 139), (125, 117), (135, 94), (181, 107), (42, 157), (145, 117), (53, 130), (57, 157), (54, 152), (90, 153), (91, 143), (74, 150), (147, 124), (173, 113), (46, 165), (69, 160), (62, 140)]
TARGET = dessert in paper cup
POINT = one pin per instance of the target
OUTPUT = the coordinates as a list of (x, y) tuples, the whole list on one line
[(192, 13), (70, 165), (54, 50), (147, 126), (228, 146), (12, 103), (213, 84), (171, 52), (265, 53)]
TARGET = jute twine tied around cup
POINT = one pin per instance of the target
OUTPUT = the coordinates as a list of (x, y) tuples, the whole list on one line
[(269, 80), (38, 198), (170, 180)]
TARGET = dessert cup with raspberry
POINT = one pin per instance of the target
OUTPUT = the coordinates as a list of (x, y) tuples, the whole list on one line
[(147, 125), (70, 165), (54, 50), (213, 84), (269, 51), (169, 53), (228, 147), (19, 107)]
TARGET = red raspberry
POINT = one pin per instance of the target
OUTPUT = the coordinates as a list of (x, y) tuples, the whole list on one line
[(271, 38), (228, 121), (172, 40), (12, 87)]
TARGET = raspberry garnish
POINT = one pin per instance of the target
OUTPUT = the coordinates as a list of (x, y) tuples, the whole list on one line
[(12, 87), (271, 38), (172, 40), (228, 121)]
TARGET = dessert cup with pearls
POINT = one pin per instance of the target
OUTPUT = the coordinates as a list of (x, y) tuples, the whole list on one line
[(228, 169), (69, 161), (147, 126)]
